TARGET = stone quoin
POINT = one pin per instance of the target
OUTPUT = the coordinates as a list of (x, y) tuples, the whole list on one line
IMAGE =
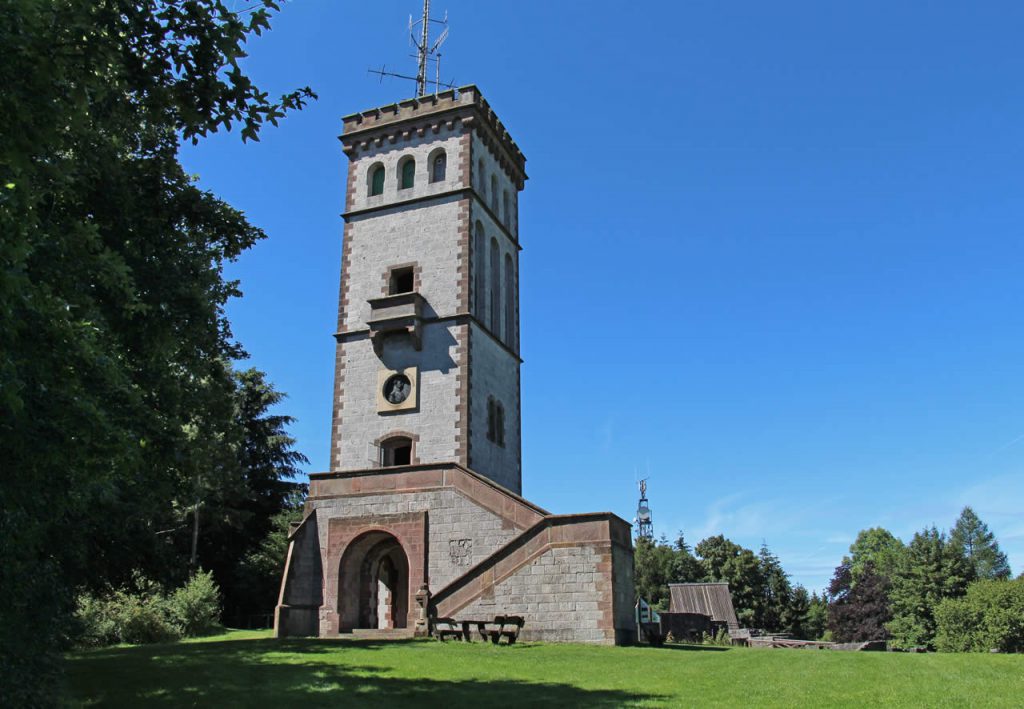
[(421, 514)]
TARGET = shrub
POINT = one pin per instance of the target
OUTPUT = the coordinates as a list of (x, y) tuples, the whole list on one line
[(989, 617), (142, 617), (136, 614), (720, 638), (143, 613), (195, 607)]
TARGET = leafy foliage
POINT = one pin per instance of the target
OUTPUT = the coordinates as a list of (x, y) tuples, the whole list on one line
[(113, 339), (194, 609), (654, 564), (258, 575), (859, 611), (989, 617), (724, 560), (142, 612), (761, 592), (877, 547), (238, 512)]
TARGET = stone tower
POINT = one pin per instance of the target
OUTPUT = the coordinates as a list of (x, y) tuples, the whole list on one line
[(421, 516), (427, 365)]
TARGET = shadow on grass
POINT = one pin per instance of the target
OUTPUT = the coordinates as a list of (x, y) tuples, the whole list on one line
[(695, 648), (300, 672)]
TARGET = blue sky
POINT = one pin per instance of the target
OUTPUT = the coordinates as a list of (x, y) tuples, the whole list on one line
[(773, 252)]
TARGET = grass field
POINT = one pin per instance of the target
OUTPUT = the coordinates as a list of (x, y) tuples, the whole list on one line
[(242, 669)]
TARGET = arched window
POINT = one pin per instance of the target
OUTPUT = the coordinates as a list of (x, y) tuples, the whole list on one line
[(495, 289), (479, 273), (506, 213), (510, 303), (377, 180), (494, 193), (408, 174), (438, 166), (396, 450)]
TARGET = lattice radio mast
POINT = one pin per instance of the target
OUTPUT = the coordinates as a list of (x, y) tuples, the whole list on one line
[(644, 525), (426, 52)]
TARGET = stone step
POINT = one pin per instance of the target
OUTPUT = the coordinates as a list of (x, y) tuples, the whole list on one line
[(382, 633)]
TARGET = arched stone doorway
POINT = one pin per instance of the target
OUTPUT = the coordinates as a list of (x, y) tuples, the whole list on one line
[(373, 583)]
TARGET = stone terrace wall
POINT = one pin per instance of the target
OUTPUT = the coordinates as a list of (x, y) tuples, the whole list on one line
[(563, 594), (560, 576)]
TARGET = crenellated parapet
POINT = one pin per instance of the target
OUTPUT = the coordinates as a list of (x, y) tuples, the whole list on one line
[(416, 117)]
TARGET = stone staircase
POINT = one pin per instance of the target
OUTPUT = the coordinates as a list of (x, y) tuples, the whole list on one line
[(379, 633)]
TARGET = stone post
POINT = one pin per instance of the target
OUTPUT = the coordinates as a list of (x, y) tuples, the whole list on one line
[(422, 628)]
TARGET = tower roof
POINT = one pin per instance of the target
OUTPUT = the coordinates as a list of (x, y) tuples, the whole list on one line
[(398, 121)]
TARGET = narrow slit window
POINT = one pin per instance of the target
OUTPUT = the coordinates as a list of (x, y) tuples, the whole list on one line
[(499, 425), (510, 302), (495, 283), (480, 273)]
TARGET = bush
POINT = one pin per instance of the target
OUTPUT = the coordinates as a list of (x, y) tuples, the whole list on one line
[(721, 638), (989, 617), (195, 607), (144, 613)]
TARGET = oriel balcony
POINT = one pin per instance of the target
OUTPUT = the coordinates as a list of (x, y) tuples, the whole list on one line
[(400, 313)]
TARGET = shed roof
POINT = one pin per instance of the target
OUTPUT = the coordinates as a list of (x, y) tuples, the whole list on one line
[(711, 599)]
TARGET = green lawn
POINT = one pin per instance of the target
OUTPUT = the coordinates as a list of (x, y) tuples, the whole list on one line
[(243, 668)]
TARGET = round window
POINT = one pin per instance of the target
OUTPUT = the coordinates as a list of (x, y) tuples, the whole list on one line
[(397, 388)]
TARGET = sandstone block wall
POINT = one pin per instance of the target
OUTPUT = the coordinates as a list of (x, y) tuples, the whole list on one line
[(563, 594), (458, 531)]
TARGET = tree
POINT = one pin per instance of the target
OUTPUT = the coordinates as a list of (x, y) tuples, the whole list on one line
[(724, 560), (775, 596), (932, 569), (112, 327), (654, 565), (795, 616), (858, 612), (979, 547), (878, 547), (254, 485), (257, 577), (686, 567), (817, 617)]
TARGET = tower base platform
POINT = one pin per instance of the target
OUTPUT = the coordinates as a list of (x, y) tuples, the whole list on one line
[(396, 547)]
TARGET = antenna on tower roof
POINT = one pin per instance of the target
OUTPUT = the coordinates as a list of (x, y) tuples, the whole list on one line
[(426, 52), (644, 524)]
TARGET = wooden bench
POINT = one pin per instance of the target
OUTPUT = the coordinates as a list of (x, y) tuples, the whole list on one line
[(501, 626), (448, 627)]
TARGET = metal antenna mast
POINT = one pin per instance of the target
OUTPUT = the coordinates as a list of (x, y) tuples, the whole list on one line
[(421, 76), (644, 524), (425, 53)]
